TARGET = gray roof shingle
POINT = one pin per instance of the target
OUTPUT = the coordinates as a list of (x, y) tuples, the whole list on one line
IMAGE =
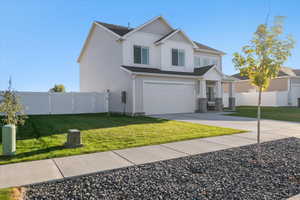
[(120, 30), (163, 37)]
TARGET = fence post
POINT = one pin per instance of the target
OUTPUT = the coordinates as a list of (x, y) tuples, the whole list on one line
[(94, 101), (50, 107), (73, 104), (106, 99)]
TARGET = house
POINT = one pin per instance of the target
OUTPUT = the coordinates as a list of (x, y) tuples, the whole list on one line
[(156, 67), (286, 88)]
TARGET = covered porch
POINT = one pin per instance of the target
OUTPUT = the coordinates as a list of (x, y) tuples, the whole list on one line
[(210, 94)]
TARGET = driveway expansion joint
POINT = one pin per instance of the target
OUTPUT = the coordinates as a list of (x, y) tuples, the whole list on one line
[(60, 171), (123, 157), (167, 147)]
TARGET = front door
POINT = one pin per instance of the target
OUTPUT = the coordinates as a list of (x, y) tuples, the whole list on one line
[(210, 93)]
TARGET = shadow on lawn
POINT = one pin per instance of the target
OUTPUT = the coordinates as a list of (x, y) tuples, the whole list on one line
[(31, 153), (37, 126)]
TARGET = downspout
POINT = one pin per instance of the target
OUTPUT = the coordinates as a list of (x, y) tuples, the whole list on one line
[(290, 103), (133, 94)]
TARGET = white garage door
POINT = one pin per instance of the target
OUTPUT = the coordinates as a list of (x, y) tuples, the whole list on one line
[(168, 97)]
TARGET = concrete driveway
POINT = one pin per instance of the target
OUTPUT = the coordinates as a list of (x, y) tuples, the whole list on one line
[(269, 128)]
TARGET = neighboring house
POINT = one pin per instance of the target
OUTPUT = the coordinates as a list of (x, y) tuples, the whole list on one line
[(286, 87), (160, 68)]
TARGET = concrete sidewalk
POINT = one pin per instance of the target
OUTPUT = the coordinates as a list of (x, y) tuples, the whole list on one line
[(58, 168)]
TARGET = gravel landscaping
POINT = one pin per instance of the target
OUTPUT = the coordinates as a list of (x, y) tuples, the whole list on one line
[(227, 174)]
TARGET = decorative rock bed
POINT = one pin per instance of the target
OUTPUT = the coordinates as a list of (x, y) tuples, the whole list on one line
[(226, 174)]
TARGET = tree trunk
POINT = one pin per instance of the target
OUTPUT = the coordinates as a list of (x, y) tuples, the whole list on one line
[(258, 125)]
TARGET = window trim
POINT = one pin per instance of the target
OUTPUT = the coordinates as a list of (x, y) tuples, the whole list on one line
[(200, 64), (148, 54), (178, 50)]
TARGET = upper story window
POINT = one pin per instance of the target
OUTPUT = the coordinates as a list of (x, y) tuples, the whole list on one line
[(205, 62), (141, 55), (214, 61), (197, 61), (178, 57)]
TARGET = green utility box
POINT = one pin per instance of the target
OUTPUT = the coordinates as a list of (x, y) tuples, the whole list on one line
[(9, 140)]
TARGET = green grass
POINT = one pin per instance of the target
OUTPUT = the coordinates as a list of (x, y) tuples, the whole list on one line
[(276, 113), (43, 137), (5, 194)]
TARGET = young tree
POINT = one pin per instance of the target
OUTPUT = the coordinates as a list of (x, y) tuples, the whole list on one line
[(262, 59), (11, 107), (58, 88)]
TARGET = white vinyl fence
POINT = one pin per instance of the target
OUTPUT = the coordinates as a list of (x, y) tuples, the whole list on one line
[(40, 103), (277, 98)]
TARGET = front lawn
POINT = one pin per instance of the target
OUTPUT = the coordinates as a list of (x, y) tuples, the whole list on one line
[(276, 113), (43, 137), (5, 194), (15, 193)]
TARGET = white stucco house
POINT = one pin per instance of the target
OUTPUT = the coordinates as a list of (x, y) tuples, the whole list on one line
[(159, 67)]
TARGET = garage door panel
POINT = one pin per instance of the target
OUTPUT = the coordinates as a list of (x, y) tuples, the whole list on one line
[(164, 98)]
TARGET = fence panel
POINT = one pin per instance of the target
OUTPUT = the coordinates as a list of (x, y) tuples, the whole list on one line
[(84, 102), (36, 103), (278, 98), (61, 103), (44, 103), (225, 100)]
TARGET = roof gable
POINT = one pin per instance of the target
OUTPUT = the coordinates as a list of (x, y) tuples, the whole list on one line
[(152, 22), (121, 32), (157, 26), (177, 35), (213, 74)]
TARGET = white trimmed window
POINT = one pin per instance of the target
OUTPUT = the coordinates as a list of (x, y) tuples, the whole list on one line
[(197, 61), (178, 57), (205, 62), (141, 55), (214, 61)]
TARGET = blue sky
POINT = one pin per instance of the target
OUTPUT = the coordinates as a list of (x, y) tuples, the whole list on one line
[(41, 40)]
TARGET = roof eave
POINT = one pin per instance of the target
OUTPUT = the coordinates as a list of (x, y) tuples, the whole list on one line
[(86, 42), (175, 32), (210, 51), (107, 29), (158, 74)]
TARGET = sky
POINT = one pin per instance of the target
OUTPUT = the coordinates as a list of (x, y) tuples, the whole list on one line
[(40, 40)]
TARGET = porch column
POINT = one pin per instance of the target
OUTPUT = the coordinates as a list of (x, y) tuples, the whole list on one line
[(231, 92), (202, 99), (219, 99)]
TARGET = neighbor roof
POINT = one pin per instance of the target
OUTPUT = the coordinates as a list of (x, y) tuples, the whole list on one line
[(120, 30), (197, 71), (297, 72), (284, 71)]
